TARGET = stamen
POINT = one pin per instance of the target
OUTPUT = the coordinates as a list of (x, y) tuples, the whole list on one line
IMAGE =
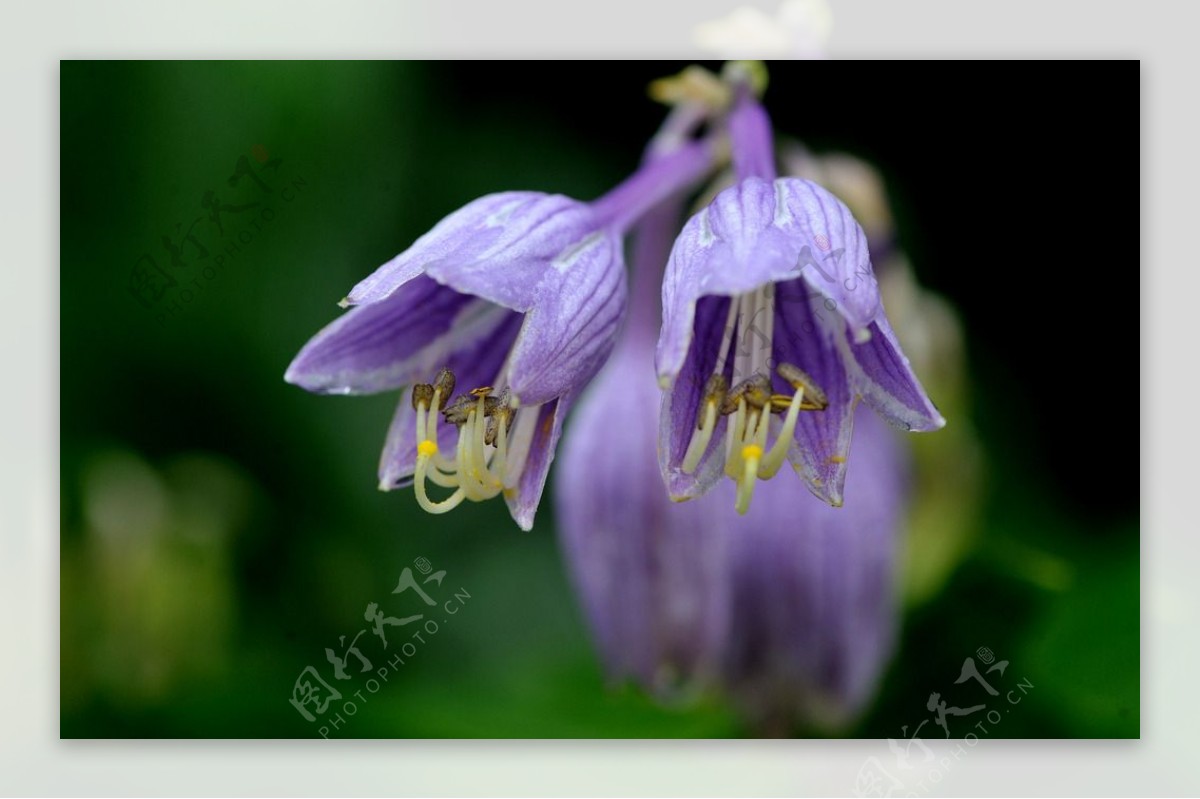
[(466, 481), (518, 450), (500, 424), (736, 434), (440, 461), (481, 466), (726, 337), (448, 504), (787, 432), (751, 402), (488, 482), (799, 379), (714, 399), (745, 490)]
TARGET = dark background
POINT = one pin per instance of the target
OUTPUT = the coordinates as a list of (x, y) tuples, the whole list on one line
[(193, 613)]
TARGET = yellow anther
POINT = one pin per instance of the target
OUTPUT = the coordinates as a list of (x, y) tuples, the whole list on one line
[(751, 452), (428, 448)]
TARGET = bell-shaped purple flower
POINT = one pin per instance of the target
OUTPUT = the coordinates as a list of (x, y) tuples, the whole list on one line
[(515, 301), (772, 331), (788, 609)]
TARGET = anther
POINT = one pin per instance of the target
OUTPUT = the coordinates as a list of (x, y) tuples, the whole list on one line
[(422, 394), (814, 397), (456, 412), (758, 391), (498, 411), (445, 386)]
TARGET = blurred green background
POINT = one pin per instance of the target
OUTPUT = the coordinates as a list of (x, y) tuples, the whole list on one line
[(220, 528)]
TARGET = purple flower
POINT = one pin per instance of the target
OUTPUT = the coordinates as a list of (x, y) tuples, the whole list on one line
[(772, 331), (515, 299), (788, 609)]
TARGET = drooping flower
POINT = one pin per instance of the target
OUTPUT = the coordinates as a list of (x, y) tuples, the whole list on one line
[(772, 331), (789, 609), (515, 298)]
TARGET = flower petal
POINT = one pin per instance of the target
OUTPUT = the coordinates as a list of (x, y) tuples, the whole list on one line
[(681, 404), (805, 334), (509, 271), (830, 249), (514, 228), (882, 374), (571, 330), (524, 498), (390, 343), (729, 248)]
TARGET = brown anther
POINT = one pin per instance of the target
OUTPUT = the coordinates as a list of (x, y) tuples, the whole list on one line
[(482, 391), (758, 392), (755, 390), (444, 382), (422, 394), (497, 409), (730, 405), (489, 433), (500, 404), (814, 398), (456, 413)]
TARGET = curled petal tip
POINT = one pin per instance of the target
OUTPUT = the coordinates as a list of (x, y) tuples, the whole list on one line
[(294, 375), (384, 485), (345, 302)]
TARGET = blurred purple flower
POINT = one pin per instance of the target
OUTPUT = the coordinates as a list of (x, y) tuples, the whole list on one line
[(814, 598), (650, 573), (773, 329), (517, 297)]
